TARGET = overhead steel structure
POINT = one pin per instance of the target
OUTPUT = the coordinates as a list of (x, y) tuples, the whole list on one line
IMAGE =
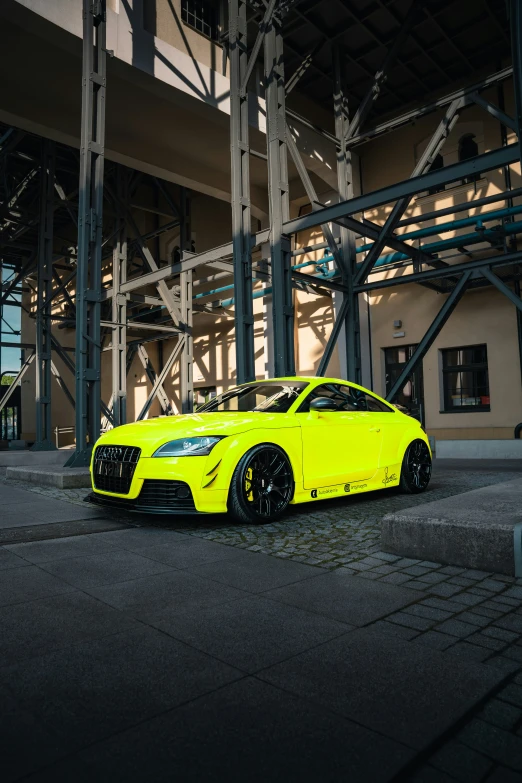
[(111, 245)]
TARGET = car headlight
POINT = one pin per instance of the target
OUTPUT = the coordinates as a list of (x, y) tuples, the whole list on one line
[(188, 447)]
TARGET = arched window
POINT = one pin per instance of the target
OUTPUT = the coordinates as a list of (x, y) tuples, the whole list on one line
[(468, 148)]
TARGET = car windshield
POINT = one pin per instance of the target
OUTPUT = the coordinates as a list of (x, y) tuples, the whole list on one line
[(266, 397)]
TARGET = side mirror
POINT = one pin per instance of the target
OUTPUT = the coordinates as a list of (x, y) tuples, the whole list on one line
[(322, 404)]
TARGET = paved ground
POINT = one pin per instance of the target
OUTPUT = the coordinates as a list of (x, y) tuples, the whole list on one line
[(171, 653)]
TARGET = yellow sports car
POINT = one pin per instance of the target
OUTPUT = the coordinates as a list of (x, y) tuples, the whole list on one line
[(260, 446)]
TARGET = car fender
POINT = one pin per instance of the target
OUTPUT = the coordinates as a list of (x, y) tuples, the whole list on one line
[(233, 448), (411, 433)]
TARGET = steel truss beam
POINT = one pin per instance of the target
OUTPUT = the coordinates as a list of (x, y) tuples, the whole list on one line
[(431, 334), (433, 148), (280, 251), (44, 295), (119, 304), (349, 308), (88, 278), (241, 215)]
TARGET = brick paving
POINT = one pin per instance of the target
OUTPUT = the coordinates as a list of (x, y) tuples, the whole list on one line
[(473, 615)]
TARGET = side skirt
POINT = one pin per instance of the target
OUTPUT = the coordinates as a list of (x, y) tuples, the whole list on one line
[(384, 478)]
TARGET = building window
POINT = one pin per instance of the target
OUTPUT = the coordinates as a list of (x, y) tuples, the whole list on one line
[(465, 379), (468, 148), (410, 398), (203, 16)]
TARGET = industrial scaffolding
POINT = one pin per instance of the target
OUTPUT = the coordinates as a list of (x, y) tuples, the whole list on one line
[(104, 313)]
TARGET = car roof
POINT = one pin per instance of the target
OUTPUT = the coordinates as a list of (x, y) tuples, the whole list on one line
[(317, 380)]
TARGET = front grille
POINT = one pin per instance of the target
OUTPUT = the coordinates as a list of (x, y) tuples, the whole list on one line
[(114, 468), (156, 497)]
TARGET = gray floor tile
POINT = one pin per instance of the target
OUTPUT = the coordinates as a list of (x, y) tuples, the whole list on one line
[(26, 743), (36, 627), (27, 584), (247, 731), (406, 691), (189, 552), (255, 572), (250, 633), (10, 560), (43, 511), (136, 538), (89, 691), (346, 598), (104, 569), (58, 548), (10, 495), (151, 596)]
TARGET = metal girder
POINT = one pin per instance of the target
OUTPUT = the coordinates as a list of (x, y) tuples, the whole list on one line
[(433, 148), (332, 340), (382, 74), (515, 20), (311, 193), (500, 115), (348, 253), (119, 305), (90, 210), (372, 230), (263, 26), (466, 168), (44, 295), (431, 334), (330, 285), (241, 213), (161, 377), (421, 111), (280, 256), (502, 287), (185, 281), (153, 377), (439, 274), (302, 68)]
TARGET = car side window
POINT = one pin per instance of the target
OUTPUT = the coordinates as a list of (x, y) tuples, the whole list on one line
[(339, 393), (347, 398)]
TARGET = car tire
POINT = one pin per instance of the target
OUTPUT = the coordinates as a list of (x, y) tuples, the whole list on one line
[(416, 468), (262, 485)]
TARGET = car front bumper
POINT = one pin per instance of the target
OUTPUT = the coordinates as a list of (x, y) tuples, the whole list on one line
[(152, 489)]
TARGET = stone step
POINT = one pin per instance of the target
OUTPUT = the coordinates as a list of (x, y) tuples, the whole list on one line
[(481, 529), (26, 457), (51, 476)]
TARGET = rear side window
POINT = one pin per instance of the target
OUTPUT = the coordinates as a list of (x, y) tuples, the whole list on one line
[(347, 398)]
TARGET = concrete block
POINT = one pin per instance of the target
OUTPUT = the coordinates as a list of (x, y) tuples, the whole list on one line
[(479, 449), (12, 458), (51, 476), (478, 529)]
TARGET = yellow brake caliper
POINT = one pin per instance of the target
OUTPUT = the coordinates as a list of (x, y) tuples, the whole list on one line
[(248, 485)]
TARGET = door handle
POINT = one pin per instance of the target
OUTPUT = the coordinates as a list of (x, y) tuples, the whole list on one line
[(375, 429)]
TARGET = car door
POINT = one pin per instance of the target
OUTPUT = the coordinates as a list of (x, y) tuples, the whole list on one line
[(390, 423), (338, 446)]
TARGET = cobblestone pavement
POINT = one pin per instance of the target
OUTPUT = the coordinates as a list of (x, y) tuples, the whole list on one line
[(474, 615)]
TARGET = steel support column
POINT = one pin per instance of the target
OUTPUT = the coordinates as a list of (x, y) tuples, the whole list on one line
[(44, 295), (119, 305), (90, 211), (280, 251), (350, 311), (241, 217), (185, 281)]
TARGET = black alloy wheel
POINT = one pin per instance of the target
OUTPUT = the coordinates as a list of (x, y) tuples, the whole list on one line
[(262, 485), (416, 468)]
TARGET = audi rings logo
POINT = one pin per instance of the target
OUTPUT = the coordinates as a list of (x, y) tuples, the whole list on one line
[(113, 453)]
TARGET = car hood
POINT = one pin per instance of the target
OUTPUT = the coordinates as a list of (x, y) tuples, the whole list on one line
[(152, 433)]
